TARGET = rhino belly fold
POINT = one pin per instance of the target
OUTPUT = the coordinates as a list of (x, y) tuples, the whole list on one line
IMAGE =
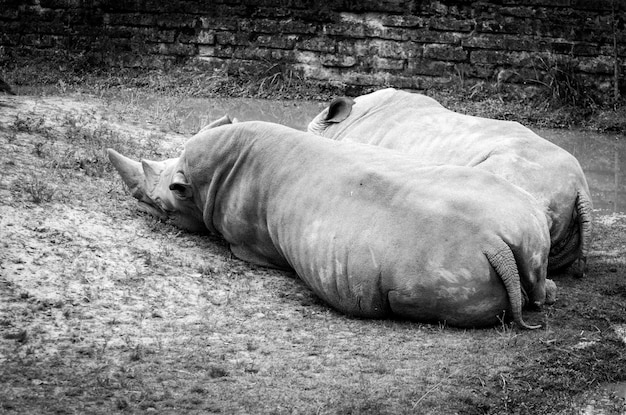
[(479, 313), (458, 296)]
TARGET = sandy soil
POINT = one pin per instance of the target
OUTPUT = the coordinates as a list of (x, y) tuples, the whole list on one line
[(103, 309)]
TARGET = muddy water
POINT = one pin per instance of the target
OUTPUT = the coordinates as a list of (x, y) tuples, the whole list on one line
[(602, 156), (296, 114), (603, 159)]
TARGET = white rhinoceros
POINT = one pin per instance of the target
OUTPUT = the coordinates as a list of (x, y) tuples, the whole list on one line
[(367, 229), (433, 135)]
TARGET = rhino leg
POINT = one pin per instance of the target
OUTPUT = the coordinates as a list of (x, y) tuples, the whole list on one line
[(550, 292), (246, 254)]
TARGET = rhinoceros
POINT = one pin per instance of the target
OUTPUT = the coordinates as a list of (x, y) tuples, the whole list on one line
[(419, 126), (369, 231)]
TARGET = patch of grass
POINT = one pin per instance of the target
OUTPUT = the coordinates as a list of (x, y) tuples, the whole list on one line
[(562, 84), (29, 123), (39, 190)]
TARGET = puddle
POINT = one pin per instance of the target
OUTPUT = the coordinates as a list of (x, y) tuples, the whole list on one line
[(602, 156), (605, 400), (295, 114), (618, 390), (603, 159)]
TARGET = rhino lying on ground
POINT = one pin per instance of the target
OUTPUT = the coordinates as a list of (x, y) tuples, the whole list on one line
[(369, 231), (420, 127)]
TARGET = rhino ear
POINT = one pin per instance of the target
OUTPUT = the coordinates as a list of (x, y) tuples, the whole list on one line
[(152, 171), (181, 187), (339, 109), (220, 121)]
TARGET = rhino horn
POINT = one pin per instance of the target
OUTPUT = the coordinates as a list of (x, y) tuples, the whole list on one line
[(131, 171)]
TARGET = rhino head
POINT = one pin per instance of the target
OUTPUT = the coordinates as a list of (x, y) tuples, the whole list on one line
[(162, 189)]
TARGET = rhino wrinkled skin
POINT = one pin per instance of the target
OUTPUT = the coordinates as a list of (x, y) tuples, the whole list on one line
[(421, 127), (369, 231)]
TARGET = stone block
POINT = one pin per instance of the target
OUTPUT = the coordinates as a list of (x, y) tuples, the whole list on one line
[(177, 49), (222, 23), (433, 36), (319, 44), (445, 52), (403, 21), (595, 5), (277, 41), (390, 49), (351, 30), (338, 61), (505, 42), (451, 24), (175, 20), (206, 37), (492, 57), (428, 67), (387, 64), (129, 19), (601, 65), (228, 38)]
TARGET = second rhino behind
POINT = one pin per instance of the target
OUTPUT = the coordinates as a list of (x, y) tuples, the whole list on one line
[(423, 129)]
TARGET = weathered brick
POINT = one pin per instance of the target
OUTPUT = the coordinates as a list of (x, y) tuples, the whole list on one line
[(228, 38), (176, 49), (319, 44), (130, 19), (387, 49), (177, 20), (277, 41), (338, 61), (430, 36), (206, 37), (595, 5), (428, 67), (597, 65), (403, 20), (518, 11), (344, 29), (216, 51), (497, 57), (445, 52), (358, 47), (451, 24), (505, 42), (388, 6), (388, 64), (223, 23)]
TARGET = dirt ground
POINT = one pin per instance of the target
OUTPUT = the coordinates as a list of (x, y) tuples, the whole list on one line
[(103, 309)]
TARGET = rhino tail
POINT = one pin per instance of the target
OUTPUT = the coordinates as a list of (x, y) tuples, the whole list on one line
[(503, 262), (583, 208)]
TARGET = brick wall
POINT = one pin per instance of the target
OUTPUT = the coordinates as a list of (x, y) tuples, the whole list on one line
[(404, 43)]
